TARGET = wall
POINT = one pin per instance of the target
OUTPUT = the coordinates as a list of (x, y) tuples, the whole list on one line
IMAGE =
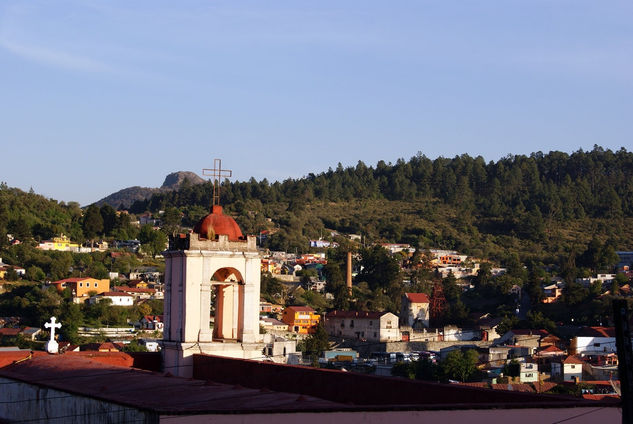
[(27, 402), (358, 389)]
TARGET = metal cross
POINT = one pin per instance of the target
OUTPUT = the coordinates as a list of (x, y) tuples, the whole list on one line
[(52, 325), (217, 173)]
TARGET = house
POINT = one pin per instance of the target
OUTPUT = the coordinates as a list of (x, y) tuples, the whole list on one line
[(102, 347), (138, 284), (265, 307), (139, 293), (370, 326), (31, 332), (9, 333), (301, 319), (552, 292), (530, 338), (6, 267), (117, 298), (603, 278), (272, 324), (145, 273), (488, 327), (152, 322), (568, 369), (528, 372), (548, 354), (602, 366), (82, 286), (61, 243), (150, 344), (592, 340), (415, 310)]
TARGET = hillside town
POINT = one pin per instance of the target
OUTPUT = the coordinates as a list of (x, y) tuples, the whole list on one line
[(300, 320)]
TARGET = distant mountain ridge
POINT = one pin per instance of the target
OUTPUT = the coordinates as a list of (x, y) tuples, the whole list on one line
[(127, 196)]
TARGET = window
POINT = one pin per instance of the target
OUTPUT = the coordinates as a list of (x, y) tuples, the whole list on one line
[(96, 285), (81, 284), (596, 344), (375, 334), (371, 323), (351, 323)]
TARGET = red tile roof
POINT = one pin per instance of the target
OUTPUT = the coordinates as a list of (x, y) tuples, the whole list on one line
[(597, 332), (300, 308), (9, 331), (417, 297), (573, 360), (550, 349), (71, 280), (544, 386), (517, 387), (115, 293), (152, 318)]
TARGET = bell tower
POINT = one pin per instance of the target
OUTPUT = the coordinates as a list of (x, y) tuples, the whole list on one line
[(215, 263)]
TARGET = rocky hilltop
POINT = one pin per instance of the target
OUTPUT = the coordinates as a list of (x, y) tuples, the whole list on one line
[(129, 195)]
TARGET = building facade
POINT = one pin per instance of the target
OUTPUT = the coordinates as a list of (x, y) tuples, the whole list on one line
[(369, 326)]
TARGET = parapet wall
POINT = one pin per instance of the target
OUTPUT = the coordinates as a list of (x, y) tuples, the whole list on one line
[(193, 241)]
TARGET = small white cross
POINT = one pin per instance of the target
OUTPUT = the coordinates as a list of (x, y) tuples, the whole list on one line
[(52, 325)]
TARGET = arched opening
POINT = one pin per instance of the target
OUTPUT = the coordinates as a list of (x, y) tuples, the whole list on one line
[(228, 288)]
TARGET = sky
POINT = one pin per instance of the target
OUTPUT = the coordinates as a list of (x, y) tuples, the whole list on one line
[(99, 95)]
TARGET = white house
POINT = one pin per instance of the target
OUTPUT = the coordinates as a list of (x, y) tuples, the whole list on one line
[(569, 369), (415, 310), (117, 298), (529, 372), (370, 326), (594, 340), (152, 322)]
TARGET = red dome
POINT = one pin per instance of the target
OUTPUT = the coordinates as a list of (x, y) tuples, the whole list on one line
[(216, 223)]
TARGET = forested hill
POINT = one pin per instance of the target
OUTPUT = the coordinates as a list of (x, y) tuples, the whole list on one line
[(463, 202), (557, 185), (544, 205)]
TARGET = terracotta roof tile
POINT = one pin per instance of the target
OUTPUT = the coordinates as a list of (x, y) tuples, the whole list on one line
[(417, 297)]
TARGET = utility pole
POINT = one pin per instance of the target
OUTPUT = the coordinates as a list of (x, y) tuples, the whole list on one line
[(625, 357)]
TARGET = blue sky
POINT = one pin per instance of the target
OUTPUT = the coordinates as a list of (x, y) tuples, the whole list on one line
[(102, 95)]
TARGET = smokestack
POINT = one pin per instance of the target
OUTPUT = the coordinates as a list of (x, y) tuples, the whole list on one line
[(349, 272)]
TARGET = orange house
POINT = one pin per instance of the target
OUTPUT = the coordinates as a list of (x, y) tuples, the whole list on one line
[(82, 286), (301, 319)]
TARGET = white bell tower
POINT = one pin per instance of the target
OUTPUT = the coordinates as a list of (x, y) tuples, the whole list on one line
[(214, 262)]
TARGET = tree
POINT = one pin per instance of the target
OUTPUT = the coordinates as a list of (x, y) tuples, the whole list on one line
[(152, 241), (460, 365), (93, 222), (379, 268), (512, 368), (35, 273), (11, 275), (315, 344), (171, 220), (335, 284), (108, 215), (134, 346)]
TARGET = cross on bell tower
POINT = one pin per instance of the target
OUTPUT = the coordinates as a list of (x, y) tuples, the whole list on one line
[(217, 173)]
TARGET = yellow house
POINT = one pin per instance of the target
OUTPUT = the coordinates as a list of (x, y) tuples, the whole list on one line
[(61, 243), (82, 286), (301, 319)]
